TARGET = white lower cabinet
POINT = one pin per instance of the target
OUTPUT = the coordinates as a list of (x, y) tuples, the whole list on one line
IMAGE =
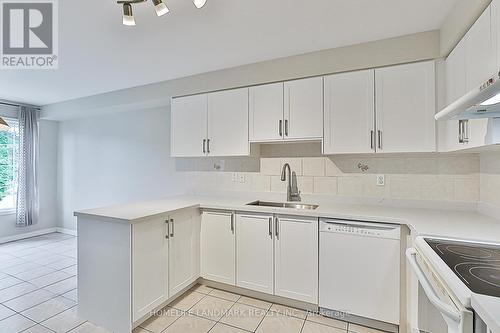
[(278, 255), (296, 258), (150, 266), (254, 252), (218, 247), (184, 249)]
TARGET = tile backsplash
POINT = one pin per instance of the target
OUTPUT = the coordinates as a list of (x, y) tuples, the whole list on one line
[(439, 177)]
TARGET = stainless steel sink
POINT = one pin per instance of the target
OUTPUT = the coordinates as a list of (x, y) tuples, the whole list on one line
[(283, 205)]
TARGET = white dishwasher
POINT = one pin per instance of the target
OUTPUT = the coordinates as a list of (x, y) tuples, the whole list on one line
[(359, 272)]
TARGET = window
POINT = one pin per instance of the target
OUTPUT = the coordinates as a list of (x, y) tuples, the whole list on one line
[(9, 146)]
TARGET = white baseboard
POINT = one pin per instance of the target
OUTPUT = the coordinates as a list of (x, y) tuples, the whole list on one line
[(27, 235), (67, 231)]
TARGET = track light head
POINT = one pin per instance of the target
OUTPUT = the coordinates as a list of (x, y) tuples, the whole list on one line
[(160, 7), (128, 16), (199, 3)]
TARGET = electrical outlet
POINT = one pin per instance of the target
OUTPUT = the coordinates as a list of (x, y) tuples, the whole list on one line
[(380, 180), (241, 178), (234, 177)]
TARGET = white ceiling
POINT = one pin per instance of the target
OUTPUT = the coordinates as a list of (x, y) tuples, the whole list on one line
[(97, 54)]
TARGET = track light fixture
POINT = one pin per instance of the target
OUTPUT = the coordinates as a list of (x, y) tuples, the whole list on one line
[(160, 8), (199, 3), (128, 16)]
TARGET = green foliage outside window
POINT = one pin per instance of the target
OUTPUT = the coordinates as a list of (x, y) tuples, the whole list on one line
[(8, 161)]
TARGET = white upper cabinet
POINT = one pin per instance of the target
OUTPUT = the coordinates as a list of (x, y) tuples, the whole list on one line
[(218, 247), (456, 84), (254, 252), (405, 106), (150, 266), (228, 123), (188, 125), (303, 102), (349, 115), (296, 258), (480, 51), (266, 112)]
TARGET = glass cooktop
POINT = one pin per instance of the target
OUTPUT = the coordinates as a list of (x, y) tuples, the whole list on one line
[(477, 265)]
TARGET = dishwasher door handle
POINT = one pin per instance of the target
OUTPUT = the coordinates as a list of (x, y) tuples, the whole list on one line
[(445, 309)]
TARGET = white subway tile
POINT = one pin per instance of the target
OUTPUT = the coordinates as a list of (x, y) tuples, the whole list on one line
[(325, 185), (313, 166), (331, 168), (467, 189), (277, 185), (295, 165), (270, 166), (350, 186), (305, 184)]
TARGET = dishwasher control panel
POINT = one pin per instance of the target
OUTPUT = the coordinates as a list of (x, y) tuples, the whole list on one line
[(361, 228)]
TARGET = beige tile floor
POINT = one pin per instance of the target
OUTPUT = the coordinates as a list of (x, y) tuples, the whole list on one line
[(38, 295)]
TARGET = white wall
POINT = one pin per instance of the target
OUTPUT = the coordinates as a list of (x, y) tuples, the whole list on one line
[(490, 183), (47, 185), (113, 159)]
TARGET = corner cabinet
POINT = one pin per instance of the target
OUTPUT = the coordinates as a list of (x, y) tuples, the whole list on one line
[(213, 124), (405, 106), (127, 269), (184, 249), (150, 266)]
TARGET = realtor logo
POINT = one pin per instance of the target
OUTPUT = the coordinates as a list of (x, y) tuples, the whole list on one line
[(29, 34)]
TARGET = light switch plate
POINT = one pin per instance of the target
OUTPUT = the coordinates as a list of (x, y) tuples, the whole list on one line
[(234, 177), (381, 180)]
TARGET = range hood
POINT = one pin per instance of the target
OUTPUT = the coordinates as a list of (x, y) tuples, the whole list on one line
[(482, 102)]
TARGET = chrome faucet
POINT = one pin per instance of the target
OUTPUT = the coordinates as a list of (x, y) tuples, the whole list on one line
[(292, 192)]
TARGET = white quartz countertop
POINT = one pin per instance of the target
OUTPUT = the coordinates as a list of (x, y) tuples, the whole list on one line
[(434, 222), (488, 308), (423, 222)]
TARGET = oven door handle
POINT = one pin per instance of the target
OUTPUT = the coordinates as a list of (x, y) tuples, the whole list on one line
[(446, 309)]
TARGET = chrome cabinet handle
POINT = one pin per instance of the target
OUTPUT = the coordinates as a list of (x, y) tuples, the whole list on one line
[(208, 146), (204, 142), (232, 223), (280, 127), (460, 132), (372, 139), (271, 227), (466, 131), (172, 230), (277, 228), (286, 127), (379, 132), (168, 228)]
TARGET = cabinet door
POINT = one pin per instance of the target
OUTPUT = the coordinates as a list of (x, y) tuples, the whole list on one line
[(349, 113), (218, 247), (480, 53), (183, 250), (304, 109), (296, 266), (455, 74), (188, 125), (405, 108), (228, 123), (149, 266), (266, 112), (254, 253)]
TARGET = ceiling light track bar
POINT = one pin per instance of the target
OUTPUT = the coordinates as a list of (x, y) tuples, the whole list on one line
[(159, 6)]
